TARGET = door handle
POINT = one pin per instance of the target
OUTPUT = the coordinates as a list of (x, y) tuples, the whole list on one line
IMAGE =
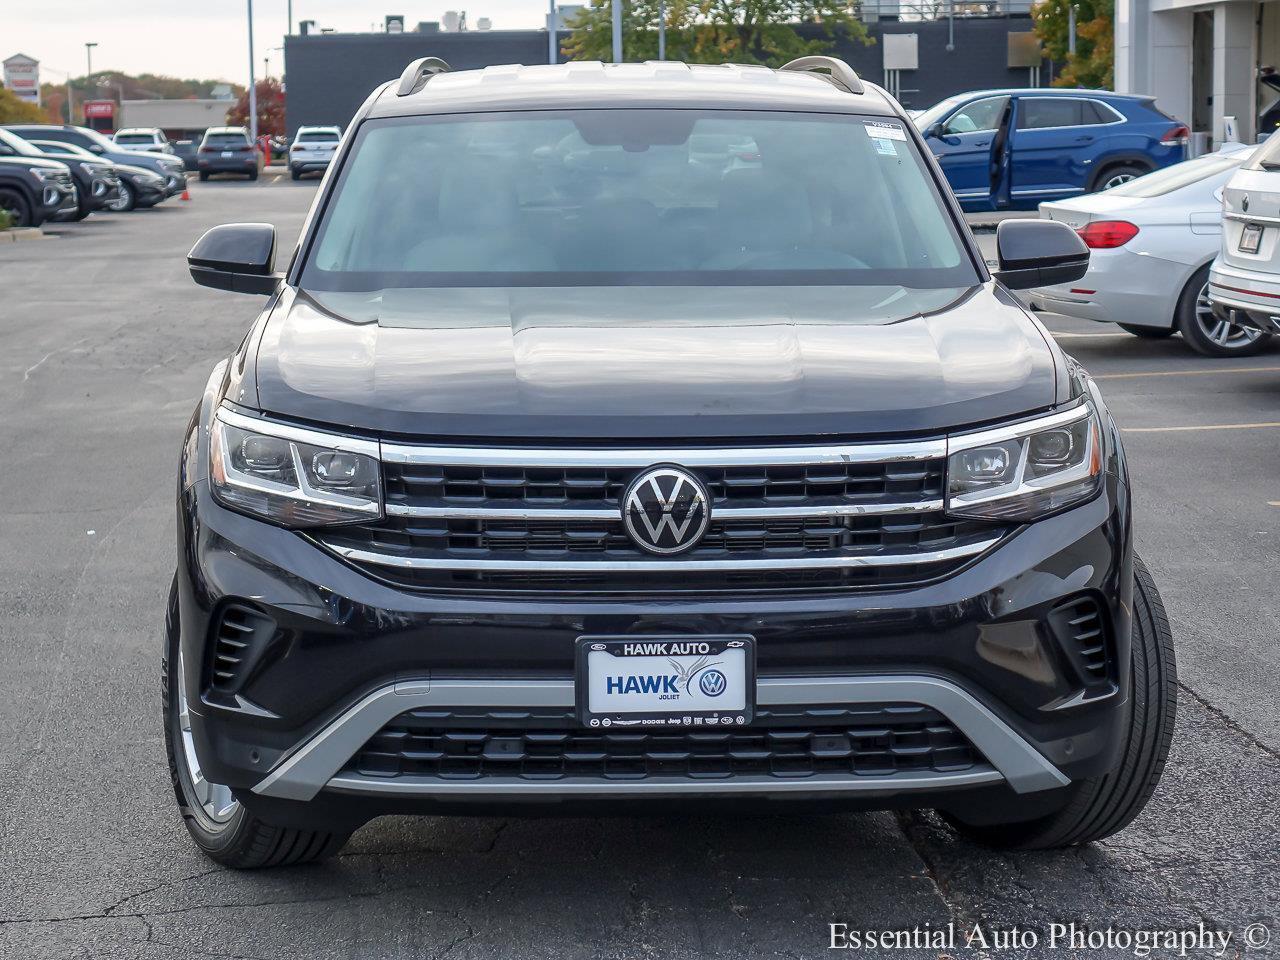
[(1084, 139), (984, 143)]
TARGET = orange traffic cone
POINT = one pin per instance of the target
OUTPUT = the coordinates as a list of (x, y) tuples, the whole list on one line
[(186, 195)]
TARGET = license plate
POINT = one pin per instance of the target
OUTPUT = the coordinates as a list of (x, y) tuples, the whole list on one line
[(227, 153), (1251, 238), (665, 681)]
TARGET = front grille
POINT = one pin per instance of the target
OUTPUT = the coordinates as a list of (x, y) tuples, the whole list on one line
[(786, 743), (867, 484), (550, 520)]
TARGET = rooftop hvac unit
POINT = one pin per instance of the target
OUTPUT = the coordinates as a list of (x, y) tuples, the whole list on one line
[(484, 23), (428, 26), (394, 23)]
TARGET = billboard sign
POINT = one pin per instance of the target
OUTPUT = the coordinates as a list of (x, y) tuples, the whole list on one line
[(22, 77)]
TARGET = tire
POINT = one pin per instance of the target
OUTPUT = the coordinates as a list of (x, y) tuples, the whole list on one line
[(1116, 175), (229, 833), (1100, 806), (253, 176), (296, 174), (1206, 334), (82, 211), (15, 204), (125, 202), (204, 176), (1148, 333)]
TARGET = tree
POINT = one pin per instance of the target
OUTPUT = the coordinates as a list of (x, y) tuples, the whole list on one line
[(13, 109), (714, 31), (270, 109), (1093, 64)]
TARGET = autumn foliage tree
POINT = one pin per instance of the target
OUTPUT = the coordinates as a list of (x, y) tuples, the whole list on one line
[(270, 109), (713, 31), (1093, 64), (13, 109)]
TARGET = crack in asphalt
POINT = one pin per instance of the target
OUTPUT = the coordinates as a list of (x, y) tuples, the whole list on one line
[(1226, 718)]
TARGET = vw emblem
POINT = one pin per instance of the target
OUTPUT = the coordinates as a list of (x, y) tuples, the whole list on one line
[(712, 683), (666, 510)]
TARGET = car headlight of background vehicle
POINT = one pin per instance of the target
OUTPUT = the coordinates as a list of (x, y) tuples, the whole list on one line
[(94, 169), (46, 173), (1026, 471), (151, 179), (292, 477)]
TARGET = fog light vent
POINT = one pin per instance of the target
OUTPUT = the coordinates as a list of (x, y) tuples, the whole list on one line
[(242, 633), (1080, 625)]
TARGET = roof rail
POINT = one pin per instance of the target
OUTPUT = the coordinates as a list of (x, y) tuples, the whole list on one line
[(417, 74), (841, 72)]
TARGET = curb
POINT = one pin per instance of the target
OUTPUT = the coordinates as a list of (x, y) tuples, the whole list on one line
[(17, 234)]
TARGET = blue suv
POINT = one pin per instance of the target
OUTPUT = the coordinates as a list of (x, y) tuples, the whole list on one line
[(1013, 149)]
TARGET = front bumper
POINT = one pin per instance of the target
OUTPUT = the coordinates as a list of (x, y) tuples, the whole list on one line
[(352, 653), (305, 164)]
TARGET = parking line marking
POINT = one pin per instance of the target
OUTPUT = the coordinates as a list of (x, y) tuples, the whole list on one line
[(277, 178), (1215, 426), (1273, 503), (1184, 373)]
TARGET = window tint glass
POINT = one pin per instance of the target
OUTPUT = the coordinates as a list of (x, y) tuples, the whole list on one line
[(318, 136), (979, 115), (140, 138), (1037, 112), (1095, 112), (226, 140), (619, 197)]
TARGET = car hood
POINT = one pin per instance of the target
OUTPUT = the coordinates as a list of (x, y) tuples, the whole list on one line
[(672, 363), (30, 162)]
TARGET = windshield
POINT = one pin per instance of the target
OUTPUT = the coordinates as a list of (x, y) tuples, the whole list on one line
[(620, 197), (1179, 175), (934, 114), (132, 138)]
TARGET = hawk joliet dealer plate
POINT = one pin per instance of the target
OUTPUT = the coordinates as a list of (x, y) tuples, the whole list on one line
[(690, 681)]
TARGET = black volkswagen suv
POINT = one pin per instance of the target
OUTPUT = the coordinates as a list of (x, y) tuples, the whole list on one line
[(560, 471)]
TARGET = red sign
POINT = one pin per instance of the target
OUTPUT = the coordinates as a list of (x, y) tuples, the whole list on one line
[(99, 109)]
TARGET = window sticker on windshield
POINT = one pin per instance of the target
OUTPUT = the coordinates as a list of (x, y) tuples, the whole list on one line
[(884, 131), (885, 147)]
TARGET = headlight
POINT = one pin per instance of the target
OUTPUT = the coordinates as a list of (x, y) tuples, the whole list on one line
[(45, 173), (94, 169), (151, 178), (1026, 471), (292, 477)]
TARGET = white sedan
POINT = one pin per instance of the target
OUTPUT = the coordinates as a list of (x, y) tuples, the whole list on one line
[(1151, 243)]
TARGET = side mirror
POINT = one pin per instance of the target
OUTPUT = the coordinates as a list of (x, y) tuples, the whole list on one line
[(935, 131), (97, 148), (1039, 253), (236, 256)]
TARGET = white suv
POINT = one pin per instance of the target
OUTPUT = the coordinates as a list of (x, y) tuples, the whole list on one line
[(312, 149), (1244, 281), (143, 138)]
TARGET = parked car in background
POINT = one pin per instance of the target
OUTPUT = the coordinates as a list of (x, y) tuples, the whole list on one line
[(312, 149), (228, 150), (185, 150), (1012, 149), (143, 138), (1244, 281), (1153, 240), (167, 166), (34, 190), (97, 181), (138, 187)]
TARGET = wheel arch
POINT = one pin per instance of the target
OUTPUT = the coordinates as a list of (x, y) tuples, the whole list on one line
[(1110, 161)]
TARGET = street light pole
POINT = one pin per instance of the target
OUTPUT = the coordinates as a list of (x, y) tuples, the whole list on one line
[(553, 45), (88, 62), (1071, 29), (253, 94), (662, 30), (617, 30)]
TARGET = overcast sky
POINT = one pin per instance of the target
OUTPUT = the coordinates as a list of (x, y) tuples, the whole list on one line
[(208, 38)]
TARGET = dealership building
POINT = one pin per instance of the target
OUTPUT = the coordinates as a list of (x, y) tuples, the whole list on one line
[(1200, 60), (920, 53)]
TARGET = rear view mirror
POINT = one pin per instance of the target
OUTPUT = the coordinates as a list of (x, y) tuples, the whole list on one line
[(236, 256), (1039, 253)]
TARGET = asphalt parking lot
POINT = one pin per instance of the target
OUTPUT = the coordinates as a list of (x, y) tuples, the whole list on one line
[(107, 344)]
